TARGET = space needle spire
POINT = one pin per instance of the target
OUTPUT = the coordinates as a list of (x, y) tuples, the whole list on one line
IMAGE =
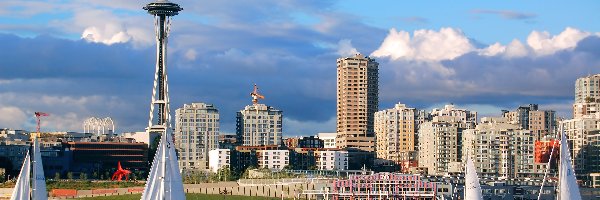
[(164, 181)]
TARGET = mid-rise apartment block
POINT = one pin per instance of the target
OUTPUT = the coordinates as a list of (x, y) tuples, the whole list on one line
[(501, 149), (219, 159), (579, 131), (310, 142), (196, 133), (541, 123), (273, 159), (291, 142), (587, 96), (357, 102), (463, 115), (331, 159), (593, 153), (258, 125), (395, 131), (328, 139), (440, 140)]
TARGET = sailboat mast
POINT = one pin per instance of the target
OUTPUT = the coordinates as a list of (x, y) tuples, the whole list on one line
[(163, 162)]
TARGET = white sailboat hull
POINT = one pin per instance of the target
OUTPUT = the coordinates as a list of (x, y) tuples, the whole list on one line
[(567, 181), (21, 190), (164, 181), (38, 189), (472, 186)]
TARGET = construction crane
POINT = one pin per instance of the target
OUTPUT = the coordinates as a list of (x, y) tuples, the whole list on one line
[(39, 115), (255, 95)]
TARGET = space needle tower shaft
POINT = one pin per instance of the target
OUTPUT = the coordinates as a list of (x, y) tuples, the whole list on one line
[(162, 10), (164, 180)]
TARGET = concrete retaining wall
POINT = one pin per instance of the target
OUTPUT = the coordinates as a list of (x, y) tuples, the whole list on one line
[(230, 188)]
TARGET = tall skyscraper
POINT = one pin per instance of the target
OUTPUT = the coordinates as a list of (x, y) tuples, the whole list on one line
[(259, 124), (357, 102), (395, 130), (196, 133)]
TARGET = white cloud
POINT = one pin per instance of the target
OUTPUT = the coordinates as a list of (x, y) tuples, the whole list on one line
[(544, 44), (346, 49), (103, 26), (516, 49), (66, 112), (425, 45), (190, 54), (110, 34), (493, 50), (449, 43), (69, 121), (11, 116)]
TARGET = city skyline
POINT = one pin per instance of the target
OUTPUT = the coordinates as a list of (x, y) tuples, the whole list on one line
[(217, 56)]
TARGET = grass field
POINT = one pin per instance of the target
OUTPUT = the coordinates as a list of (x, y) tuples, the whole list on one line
[(82, 185), (188, 197)]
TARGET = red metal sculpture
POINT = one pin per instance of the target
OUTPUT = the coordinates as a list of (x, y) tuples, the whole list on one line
[(120, 173)]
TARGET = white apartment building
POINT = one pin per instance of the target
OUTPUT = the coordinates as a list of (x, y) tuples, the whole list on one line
[(196, 133), (219, 159), (587, 96), (469, 117), (395, 131), (328, 139), (273, 159), (331, 160), (577, 131), (440, 140), (587, 88), (501, 149), (258, 125)]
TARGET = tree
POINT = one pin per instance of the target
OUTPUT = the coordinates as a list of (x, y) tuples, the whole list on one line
[(247, 171), (70, 175), (57, 176), (95, 175), (224, 174), (589, 99), (83, 176)]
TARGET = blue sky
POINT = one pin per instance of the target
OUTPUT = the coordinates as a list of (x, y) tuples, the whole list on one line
[(95, 58), (482, 20)]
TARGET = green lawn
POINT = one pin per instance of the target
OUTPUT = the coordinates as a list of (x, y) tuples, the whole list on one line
[(82, 185), (188, 197)]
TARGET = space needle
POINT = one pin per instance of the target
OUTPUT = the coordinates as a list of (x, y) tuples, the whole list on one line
[(164, 181)]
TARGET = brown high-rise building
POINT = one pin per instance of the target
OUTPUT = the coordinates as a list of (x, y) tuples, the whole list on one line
[(357, 102)]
